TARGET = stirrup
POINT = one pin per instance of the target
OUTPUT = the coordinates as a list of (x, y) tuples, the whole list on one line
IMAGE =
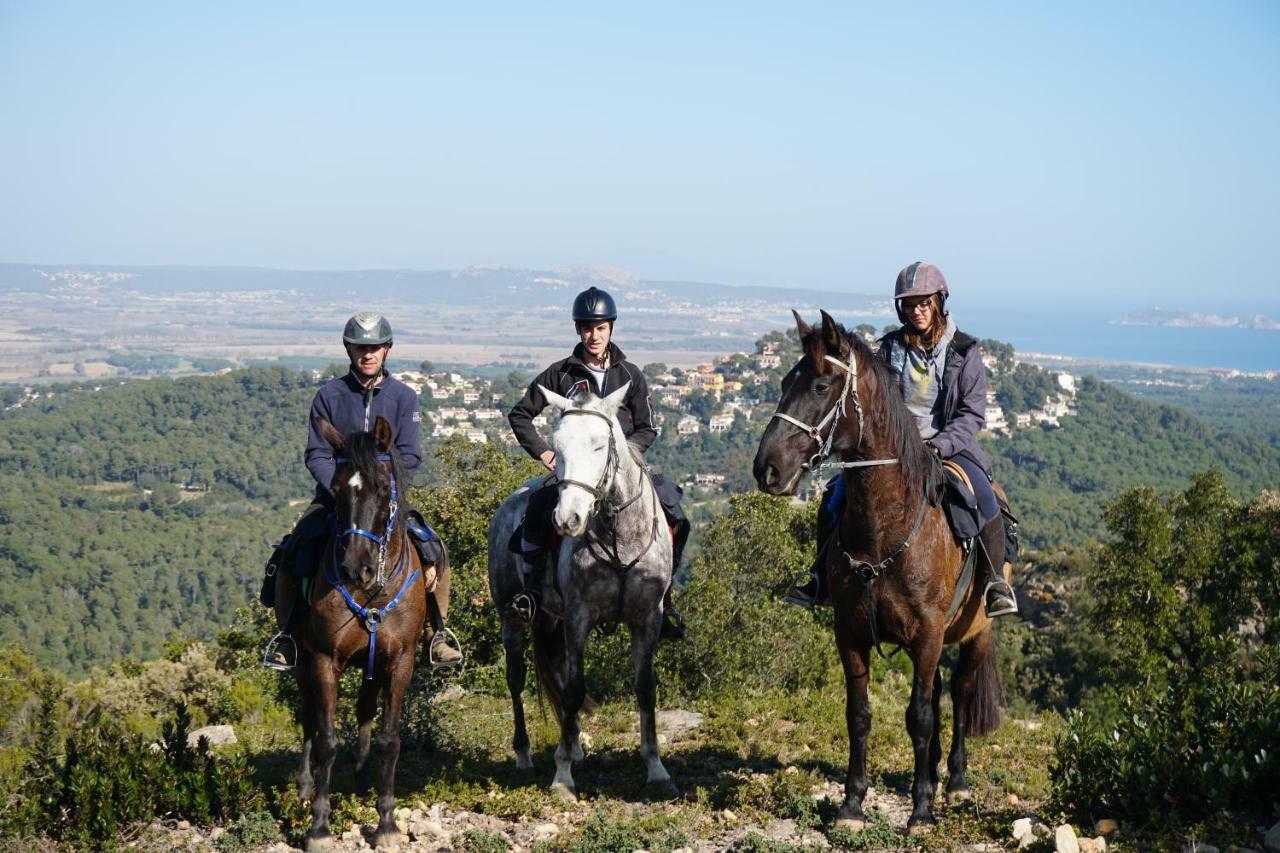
[(1004, 610), (445, 637), (797, 595), (523, 607), (277, 646)]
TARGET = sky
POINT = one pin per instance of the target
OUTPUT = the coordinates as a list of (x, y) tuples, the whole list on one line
[(1038, 153)]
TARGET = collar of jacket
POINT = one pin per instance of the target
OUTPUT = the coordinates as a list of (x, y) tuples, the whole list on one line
[(616, 355), (358, 388)]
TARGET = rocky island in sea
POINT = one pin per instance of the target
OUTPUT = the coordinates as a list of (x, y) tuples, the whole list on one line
[(1194, 319)]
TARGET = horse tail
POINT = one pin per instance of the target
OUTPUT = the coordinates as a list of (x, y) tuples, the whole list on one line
[(980, 709), (548, 658)]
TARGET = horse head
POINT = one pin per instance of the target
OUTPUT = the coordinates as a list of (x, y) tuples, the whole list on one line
[(819, 414), (367, 501), (586, 443)]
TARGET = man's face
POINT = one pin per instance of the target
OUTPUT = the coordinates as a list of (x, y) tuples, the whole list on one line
[(367, 359), (595, 337)]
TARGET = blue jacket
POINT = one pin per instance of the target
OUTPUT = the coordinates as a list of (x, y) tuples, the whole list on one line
[(347, 405), (964, 397)]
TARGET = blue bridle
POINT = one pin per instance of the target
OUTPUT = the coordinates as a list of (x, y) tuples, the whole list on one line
[(372, 617)]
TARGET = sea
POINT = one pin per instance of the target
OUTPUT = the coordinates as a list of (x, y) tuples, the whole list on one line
[(1091, 334)]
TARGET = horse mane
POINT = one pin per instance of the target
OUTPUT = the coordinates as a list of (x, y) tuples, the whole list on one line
[(913, 456)]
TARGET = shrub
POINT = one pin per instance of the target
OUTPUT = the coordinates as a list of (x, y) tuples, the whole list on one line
[(1202, 746)]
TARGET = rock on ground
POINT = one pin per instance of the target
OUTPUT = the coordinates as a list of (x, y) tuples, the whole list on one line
[(217, 736), (1064, 839)]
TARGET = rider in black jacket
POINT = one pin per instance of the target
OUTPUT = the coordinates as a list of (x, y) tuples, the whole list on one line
[(598, 366)]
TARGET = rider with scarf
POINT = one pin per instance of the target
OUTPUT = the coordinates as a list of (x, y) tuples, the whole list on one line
[(944, 384)]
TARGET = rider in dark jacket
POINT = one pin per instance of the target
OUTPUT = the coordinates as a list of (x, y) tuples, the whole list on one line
[(944, 384), (599, 366), (352, 403)]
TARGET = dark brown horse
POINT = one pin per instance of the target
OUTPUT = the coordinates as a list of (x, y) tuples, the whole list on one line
[(368, 606), (892, 563)]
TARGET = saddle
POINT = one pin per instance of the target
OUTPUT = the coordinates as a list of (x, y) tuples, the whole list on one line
[(961, 507)]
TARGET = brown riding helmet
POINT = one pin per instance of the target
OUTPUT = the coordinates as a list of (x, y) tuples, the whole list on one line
[(919, 279)]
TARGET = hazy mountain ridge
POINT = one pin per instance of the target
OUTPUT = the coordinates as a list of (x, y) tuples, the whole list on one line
[(483, 285)]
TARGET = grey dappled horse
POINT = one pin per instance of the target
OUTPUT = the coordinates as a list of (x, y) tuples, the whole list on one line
[(613, 565)]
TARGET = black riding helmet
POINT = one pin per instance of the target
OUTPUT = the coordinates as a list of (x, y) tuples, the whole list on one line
[(368, 328), (594, 305)]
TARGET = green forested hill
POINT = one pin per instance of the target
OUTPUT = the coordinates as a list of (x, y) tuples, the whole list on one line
[(102, 554), (1058, 480), (145, 508)]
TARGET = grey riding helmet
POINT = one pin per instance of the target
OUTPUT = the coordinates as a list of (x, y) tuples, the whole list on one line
[(368, 328), (916, 280), (594, 305)]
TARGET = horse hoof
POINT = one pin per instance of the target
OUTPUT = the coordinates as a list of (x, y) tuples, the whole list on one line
[(959, 795), (916, 828), (524, 761), (663, 789), (564, 792), (320, 844), (388, 839), (853, 824)]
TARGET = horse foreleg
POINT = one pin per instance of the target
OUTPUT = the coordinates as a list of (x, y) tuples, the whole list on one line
[(396, 683), (857, 714), (575, 693), (324, 686), (935, 741), (514, 641), (644, 641), (366, 712), (920, 725)]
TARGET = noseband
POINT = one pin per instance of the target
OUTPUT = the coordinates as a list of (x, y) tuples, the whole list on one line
[(832, 418)]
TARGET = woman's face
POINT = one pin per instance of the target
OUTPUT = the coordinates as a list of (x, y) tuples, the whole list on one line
[(919, 312)]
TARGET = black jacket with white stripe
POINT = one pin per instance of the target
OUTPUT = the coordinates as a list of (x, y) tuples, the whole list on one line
[(570, 377)]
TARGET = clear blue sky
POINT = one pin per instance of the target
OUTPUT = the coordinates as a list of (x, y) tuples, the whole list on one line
[(1093, 149)]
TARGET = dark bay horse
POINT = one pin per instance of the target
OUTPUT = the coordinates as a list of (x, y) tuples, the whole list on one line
[(613, 566), (892, 563), (368, 609)]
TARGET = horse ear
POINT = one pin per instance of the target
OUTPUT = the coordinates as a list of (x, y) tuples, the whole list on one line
[(801, 326), (832, 337), (617, 398), (336, 439), (382, 434), (561, 403)]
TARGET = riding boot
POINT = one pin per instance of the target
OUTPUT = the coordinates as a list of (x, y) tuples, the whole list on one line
[(523, 606), (672, 621), (808, 590), (996, 593), (444, 650), (268, 593), (281, 652)]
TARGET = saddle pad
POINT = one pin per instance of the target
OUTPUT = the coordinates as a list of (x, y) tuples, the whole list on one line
[(960, 503)]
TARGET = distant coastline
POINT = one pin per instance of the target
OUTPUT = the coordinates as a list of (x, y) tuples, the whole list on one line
[(1195, 320)]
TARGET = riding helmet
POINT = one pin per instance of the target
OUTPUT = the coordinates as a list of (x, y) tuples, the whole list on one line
[(367, 328), (919, 279), (594, 305)]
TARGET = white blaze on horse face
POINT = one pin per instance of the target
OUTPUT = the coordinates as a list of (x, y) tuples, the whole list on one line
[(581, 444), (355, 482)]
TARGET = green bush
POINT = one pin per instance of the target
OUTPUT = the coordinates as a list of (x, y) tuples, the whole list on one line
[(1205, 745), (108, 778)]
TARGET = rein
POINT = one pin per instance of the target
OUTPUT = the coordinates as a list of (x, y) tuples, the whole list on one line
[(832, 417), (372, 617)]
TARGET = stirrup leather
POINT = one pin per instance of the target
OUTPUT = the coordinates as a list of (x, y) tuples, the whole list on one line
[(277, 645)]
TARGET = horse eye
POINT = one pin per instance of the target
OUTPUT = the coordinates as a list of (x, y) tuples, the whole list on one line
[(821, 387)]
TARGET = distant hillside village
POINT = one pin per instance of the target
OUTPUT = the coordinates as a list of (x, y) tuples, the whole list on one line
[(734, 393)]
